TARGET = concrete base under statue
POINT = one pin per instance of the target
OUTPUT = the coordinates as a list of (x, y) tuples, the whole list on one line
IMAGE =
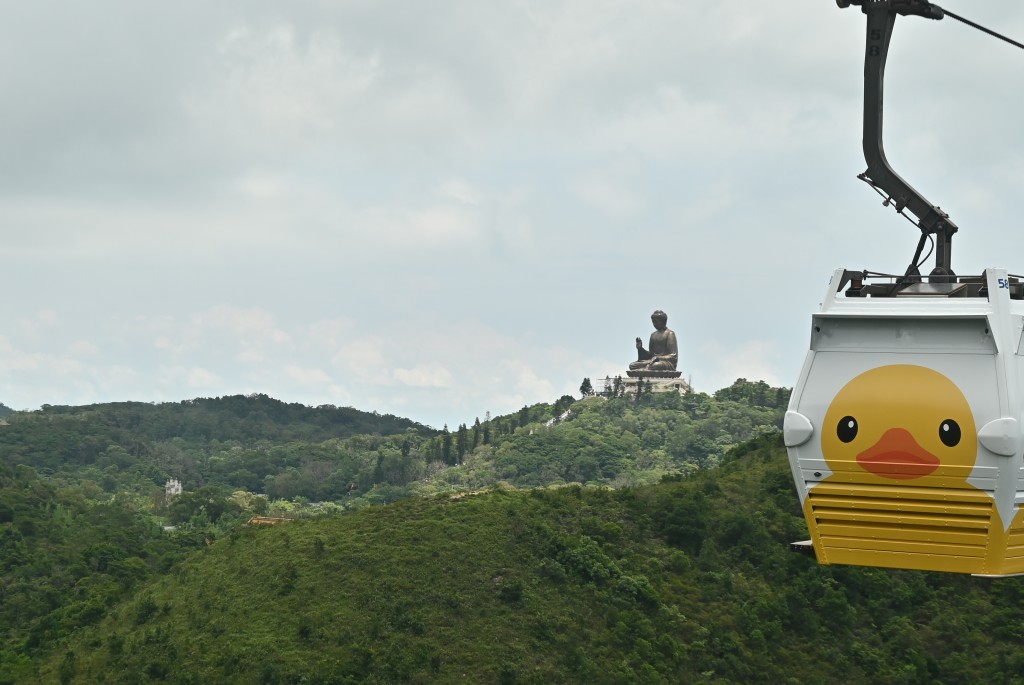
[(651, 384), (641, 373)]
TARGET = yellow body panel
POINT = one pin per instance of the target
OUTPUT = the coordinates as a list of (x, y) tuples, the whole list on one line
[(875, 511), (925, 529)]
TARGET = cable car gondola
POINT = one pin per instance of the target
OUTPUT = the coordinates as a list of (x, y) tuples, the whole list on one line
[(904, 428)]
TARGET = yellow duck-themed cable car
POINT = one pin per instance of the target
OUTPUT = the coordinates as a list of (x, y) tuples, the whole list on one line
[(904, 428)]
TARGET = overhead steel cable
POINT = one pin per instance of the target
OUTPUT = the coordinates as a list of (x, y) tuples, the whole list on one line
[(980, 27)]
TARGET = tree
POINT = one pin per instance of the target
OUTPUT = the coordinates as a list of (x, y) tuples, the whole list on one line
[(561, 404), (209, 501), (524, 416), (461, 442), (446, 445), (586, 388)]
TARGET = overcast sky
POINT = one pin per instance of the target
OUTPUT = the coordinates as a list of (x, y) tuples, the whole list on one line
[(439, 209)]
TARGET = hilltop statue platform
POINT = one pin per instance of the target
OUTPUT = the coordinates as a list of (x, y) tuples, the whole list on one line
[(671, 382), (653, 374)]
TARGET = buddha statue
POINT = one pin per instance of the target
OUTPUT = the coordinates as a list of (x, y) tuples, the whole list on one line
[(660, 360)]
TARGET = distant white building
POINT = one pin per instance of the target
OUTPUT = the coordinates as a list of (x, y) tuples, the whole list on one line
[(172, 488)]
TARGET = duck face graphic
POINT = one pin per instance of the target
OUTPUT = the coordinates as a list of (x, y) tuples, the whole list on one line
[(898, 423)]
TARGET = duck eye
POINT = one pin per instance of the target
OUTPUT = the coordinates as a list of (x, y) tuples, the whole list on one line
[(949, 433), (847, 429)]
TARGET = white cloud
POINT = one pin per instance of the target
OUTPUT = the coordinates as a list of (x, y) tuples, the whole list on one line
[(307, 376), (12, 359), (750, 359), (38, 324), (429, 226), (83, 348), (425, 376), (250, 354), (461, 191), (464, 207), (239, 320), (246, 333), (164, 343), (529, 383), (367, 358), (259, 185), (202, 379), (613, 197), (282, 86)]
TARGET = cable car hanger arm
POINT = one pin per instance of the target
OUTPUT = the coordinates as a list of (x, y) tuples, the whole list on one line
[(881, 17)]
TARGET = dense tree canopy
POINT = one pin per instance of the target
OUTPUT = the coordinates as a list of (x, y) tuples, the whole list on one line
[(257, 444), (686, 581)]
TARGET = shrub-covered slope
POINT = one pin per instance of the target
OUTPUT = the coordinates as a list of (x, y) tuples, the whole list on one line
[(681, 582), (352, 458), (626, 441), (233, 442), (60, 436), (66, 555), (82, 529)]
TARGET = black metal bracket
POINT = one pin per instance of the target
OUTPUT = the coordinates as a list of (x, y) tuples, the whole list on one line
[(881, 18)]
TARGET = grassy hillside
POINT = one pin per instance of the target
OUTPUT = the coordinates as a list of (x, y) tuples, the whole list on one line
[(683, 582)]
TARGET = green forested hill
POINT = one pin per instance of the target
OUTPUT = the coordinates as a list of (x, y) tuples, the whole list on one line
[(687, 581), (617, 442), (80, 434), (125, 445), (82, 503), (680, 574), (287, 451)]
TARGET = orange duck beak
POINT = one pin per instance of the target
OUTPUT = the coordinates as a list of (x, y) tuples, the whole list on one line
[(897, 455)]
